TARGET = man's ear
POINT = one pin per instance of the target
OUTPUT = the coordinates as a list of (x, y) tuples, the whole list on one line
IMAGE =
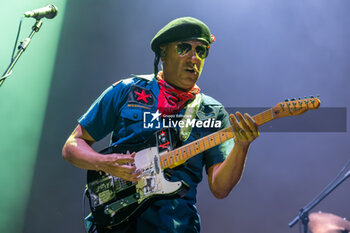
[(162, 53)]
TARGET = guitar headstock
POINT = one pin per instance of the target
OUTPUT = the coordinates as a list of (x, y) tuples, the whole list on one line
[(295, 107)]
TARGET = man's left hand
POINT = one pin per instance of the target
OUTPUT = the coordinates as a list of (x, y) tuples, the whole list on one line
[(245, 129)]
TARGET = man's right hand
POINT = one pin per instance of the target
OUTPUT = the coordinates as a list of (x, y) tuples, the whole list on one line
[(120, 165), (78, 151)]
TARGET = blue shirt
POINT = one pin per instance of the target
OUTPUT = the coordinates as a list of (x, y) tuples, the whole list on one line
[(118, 111)]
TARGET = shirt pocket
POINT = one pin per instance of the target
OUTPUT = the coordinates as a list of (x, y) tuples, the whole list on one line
[(131, 123), (132, 114)]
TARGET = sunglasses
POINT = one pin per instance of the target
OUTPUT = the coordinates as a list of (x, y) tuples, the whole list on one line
[(184, 48)]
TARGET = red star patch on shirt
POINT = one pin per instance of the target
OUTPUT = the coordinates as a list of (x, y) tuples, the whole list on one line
[(142, 96)]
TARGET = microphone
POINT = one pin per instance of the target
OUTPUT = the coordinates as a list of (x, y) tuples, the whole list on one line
[(49, 11)]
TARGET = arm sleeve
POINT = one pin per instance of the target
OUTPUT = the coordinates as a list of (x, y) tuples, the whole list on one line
[(102, 116)]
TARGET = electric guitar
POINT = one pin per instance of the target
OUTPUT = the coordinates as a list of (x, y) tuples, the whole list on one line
[(114, 201)]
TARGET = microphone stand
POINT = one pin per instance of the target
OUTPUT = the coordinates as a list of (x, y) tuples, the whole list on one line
[(22, 47), (303, 215)]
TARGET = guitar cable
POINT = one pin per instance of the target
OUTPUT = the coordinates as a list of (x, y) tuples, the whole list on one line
[(93, 227), (2, 78), (18, 32)]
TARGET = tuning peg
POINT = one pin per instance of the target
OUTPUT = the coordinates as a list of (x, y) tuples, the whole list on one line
[(286, 100), (311, 96), (306, 101), (292, 99), (305, 97), (299, 98)]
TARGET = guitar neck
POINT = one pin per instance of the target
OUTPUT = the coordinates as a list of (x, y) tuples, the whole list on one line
[(180, 155)]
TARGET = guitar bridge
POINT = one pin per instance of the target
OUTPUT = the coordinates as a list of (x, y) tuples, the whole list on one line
[(116, 206)]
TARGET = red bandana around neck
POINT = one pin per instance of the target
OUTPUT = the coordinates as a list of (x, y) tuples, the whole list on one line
[(172, 100)]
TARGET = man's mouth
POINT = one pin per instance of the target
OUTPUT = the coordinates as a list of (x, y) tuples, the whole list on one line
[(192, 69)]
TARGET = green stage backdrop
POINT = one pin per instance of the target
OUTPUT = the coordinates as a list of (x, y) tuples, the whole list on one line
[(23, 99)]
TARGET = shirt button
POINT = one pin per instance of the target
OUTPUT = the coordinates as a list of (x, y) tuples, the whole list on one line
[(135, 116)]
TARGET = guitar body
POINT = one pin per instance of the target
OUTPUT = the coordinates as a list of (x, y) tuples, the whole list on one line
[(114, 201)]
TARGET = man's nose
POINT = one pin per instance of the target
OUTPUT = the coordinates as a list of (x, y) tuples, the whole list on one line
[(194, 55)]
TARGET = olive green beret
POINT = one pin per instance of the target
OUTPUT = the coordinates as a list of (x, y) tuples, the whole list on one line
[(181, 29)]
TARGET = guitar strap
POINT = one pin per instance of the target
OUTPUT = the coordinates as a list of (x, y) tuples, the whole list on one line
[(190, 114)]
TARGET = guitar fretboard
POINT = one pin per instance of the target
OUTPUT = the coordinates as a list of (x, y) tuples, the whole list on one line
[(182, 154)]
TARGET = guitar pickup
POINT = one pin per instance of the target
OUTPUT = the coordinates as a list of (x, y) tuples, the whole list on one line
[(156, 164)]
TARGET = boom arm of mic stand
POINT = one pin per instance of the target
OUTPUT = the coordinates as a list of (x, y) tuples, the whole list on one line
[(22, 47), (306, 210)]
